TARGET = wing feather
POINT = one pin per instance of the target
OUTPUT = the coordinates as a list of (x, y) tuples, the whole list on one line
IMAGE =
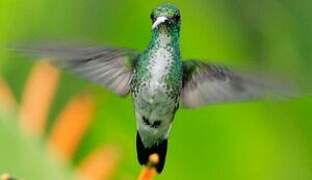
[(208, 83), (110, 67)]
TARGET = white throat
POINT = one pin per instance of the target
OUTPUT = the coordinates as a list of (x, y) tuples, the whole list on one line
[(161, 60)]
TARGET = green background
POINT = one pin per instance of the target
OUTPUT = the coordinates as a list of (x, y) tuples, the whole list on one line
[(252, 140)]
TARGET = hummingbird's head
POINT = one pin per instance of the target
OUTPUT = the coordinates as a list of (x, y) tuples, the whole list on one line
[(167, 16)]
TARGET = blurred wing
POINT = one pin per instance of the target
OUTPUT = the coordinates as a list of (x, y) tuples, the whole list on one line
[(207, 83), (111, 67)]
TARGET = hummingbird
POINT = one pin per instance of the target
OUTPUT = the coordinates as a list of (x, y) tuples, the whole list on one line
[(157, 79)]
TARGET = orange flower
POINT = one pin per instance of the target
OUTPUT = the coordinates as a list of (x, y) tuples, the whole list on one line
[(100, 164), (71, 124), (37, 97)]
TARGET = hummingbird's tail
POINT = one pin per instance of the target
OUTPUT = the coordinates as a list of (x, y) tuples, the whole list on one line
[(143, 152)]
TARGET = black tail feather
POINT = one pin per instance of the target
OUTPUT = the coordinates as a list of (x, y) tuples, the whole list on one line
[(143, 153)]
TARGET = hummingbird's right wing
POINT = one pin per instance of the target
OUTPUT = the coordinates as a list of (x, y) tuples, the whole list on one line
[(111, 67), (205, 83)]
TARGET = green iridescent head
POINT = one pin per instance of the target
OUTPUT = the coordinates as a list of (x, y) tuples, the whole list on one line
[(166, 15)]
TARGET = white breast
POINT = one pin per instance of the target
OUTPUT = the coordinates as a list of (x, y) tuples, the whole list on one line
[(160, 62)]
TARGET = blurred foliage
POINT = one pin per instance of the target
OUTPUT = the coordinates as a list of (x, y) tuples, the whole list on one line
[(23, 157), (256, 140)]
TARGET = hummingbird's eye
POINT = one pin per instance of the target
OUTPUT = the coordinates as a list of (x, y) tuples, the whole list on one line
[(152, 17), (177, 17)]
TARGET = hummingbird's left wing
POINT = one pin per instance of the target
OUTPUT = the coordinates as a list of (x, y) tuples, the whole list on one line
[(208, 83), (111, 67)]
